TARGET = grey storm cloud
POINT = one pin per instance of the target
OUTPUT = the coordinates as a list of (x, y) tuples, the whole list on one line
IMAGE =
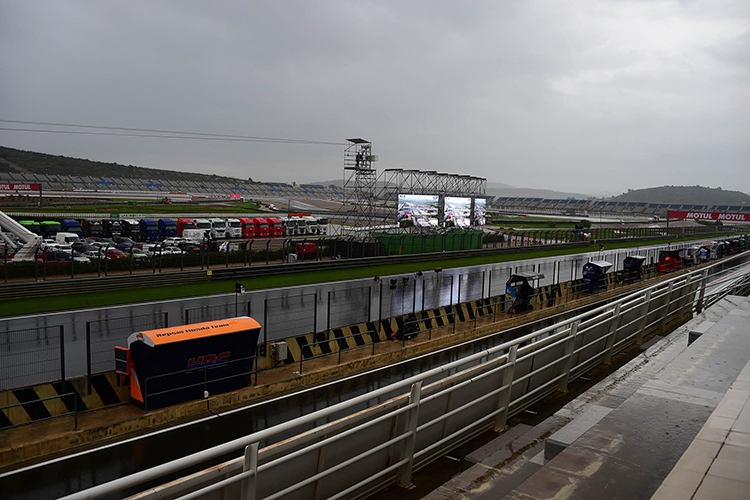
[(578, 96)]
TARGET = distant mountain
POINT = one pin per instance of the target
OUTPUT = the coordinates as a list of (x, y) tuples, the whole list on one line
[(695, 195), (16, 160), (534, 193)]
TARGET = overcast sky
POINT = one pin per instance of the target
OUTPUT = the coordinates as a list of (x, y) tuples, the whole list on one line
[(582, 96)]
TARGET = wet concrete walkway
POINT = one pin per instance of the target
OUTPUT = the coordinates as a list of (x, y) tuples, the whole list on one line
[(675, 419)]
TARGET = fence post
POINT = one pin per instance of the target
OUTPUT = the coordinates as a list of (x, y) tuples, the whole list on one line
[(166, 320), (412, 417), (249, 484), (504, 399), (702, 295), (62, 356), (88, 356), (670, 291), (613, 326), (644, 317), (568, 363)]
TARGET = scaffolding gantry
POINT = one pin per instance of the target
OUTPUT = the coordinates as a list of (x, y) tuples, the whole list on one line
[(371, 202)]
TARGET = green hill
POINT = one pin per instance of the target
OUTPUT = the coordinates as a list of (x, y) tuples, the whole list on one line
[(15, 160), (696, 195)]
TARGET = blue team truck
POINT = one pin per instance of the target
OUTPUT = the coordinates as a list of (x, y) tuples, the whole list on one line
[(167, 228), (71, 226), (149, 230)]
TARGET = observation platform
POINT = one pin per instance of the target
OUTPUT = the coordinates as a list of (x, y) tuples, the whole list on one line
[(673, 423)]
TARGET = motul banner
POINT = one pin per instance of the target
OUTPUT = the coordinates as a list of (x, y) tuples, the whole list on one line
[(731, 217), (20, 187)]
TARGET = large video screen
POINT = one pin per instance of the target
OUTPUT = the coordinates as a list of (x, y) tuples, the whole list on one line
[(457, 212), (480, 211), (418, 210)]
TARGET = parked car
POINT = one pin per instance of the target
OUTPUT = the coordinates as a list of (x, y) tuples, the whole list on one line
[(190, 247), (175, 241), (137, 253), (93, 254), (83, 246), (113, 253), (79, 258), (54, 257)]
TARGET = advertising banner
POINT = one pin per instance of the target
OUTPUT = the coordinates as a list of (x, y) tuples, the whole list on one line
[(20, 187), (710, 216)]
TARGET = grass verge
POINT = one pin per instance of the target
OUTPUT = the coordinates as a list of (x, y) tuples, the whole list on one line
[(126, 296)]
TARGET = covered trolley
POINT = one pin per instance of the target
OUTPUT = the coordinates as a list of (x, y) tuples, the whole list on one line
[(173, 365), (518, 291), (595, 275), (632, 268)]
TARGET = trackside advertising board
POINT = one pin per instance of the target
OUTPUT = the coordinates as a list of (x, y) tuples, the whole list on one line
[(710, 216), (20, 187)]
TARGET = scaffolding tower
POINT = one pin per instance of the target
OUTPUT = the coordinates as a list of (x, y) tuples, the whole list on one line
[(371, 202)]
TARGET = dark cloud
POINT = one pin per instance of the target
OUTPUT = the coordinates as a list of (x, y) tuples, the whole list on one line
[(576, 96)]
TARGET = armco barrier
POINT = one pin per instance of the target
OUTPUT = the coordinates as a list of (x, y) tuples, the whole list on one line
[(393, 430)]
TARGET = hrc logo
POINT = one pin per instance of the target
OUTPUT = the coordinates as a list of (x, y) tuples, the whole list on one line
[(208, 360)]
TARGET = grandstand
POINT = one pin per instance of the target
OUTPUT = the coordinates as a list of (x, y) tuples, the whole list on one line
[(595, 207), (161, 187)]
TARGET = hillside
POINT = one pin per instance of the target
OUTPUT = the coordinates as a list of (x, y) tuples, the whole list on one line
[(696, 195), (15, 160)]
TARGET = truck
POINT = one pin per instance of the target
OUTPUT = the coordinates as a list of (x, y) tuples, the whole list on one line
[(149, 230), (112, 227), (65, 238), (275, 227), (218, 228), (248, 227), (205, 226), (183, 224), (167, 229), (32, 226), (92, 227), (322, 225), (71, 226), (312, 224), (234, 228), (261, 227), (132, 229), (49, 228)]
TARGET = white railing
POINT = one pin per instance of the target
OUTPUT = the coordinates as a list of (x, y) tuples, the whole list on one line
[(357, 447)]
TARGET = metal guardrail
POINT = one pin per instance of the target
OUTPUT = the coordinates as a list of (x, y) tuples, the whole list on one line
[(387, 433)]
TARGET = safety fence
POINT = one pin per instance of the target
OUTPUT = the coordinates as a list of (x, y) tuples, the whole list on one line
[(358, 447)]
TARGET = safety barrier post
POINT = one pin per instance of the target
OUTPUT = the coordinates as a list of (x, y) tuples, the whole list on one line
[(670, 291), (249, 484), (613, 326), (412, 417), (507, 381), (568, 362), (62, 356), (702, 295), (685, 294), (88, 356), (644, 317)]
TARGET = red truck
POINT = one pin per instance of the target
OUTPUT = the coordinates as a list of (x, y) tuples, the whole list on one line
[(183, 224), (275, 227), (261, 227), (248, 227)]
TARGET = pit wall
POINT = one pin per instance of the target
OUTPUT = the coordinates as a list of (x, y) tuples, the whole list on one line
[(109, 389)]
